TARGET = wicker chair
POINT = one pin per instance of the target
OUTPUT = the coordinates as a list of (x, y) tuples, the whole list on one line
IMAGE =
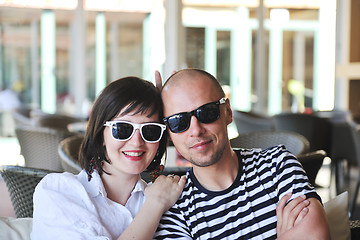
[(294, 142), (55, 121), (355, 136), (249, 122), (22, 117), (39, 146), (69, 150), (316, 129), (21, 183)]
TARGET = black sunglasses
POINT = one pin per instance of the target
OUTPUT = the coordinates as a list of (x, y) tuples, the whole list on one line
[(206, 113), (123, 131)]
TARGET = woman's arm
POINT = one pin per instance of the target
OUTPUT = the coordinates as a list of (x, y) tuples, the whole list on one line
[(160, 196), (288, 215)]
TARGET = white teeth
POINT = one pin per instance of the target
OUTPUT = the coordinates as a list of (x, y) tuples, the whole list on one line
[(134, 154)]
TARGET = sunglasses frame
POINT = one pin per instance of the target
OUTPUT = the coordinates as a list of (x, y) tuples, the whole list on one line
[(194, 113), (135, 127)]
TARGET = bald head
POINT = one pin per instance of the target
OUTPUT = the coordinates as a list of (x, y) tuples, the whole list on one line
[(189, 76)]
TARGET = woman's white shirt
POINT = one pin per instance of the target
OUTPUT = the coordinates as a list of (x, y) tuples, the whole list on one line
[(67, 206)]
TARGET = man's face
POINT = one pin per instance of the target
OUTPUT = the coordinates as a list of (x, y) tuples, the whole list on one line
[(201, 144)]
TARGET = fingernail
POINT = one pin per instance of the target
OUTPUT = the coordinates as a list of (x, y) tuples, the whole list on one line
[(306, 201), (303, 196)]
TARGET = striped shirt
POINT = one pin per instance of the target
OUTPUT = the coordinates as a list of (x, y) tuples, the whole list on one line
[(247, 209)]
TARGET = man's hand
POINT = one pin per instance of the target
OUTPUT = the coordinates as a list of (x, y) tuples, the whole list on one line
[(291, 214)]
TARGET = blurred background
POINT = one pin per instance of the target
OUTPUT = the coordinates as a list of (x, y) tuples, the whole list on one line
[(270, 55)]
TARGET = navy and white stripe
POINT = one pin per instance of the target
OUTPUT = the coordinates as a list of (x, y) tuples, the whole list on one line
[(247, 209)]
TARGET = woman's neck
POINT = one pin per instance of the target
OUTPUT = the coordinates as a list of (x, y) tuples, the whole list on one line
[(119, 187)]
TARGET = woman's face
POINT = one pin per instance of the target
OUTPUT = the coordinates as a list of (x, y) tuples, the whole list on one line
[(134, 155)]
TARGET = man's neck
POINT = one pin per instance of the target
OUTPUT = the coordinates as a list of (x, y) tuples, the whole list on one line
[(221, 175)]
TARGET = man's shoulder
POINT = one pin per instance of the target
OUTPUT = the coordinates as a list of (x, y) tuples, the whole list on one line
[(256, 150), (258, 154)]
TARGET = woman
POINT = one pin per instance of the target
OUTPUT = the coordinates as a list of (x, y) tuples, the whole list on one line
[(108, 199)]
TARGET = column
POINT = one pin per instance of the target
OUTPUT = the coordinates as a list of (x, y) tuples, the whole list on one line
[(259, 66), (210, 50), (114, 52), (35, 78), (324, 84), (100, 53), (48, 61), (174, 38), (240, 68), (154, 41), (79, 46), (275, 69), (342, 53)]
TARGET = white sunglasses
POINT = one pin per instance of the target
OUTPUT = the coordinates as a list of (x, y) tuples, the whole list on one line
[(123, 130)]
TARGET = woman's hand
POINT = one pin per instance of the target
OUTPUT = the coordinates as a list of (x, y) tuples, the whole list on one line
[(165, 190), (158, 79), (291, 214), (160, 196)]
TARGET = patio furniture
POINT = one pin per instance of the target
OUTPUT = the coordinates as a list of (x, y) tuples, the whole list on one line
[(56, 121), (21, 183), (250, 122), (22, 117), (316, 129), (39, 146), (294, 142), (69, 153)]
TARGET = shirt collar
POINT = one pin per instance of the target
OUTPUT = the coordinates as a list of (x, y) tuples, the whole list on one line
[(96, 186)]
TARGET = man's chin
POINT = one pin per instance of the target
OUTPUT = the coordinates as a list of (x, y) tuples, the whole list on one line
[(202, 163)]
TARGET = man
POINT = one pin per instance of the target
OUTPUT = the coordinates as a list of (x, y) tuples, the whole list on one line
[(232, 194)]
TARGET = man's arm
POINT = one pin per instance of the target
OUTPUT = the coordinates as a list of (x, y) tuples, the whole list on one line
[(302, 219)]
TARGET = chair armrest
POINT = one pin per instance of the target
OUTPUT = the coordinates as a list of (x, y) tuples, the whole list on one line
[(311, 156)]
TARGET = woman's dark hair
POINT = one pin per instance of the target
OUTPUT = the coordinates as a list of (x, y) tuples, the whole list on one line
[(131, 93)]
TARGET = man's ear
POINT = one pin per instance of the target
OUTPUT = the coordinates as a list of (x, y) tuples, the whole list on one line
[(229, 115)]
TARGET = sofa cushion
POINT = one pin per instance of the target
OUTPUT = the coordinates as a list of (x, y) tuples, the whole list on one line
[(338, 217), (15, 228)]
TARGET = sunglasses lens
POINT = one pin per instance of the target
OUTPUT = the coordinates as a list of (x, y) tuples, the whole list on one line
[(151, 133), (179, 122), (122, 131), (208, 113)]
